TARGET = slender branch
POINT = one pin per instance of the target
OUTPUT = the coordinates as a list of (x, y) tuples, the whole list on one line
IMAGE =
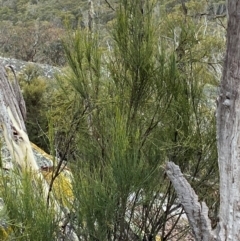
[(109, 5)]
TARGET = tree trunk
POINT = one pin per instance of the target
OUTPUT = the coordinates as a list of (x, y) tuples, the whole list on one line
[(228, 137), (228, 130), (12, 114)]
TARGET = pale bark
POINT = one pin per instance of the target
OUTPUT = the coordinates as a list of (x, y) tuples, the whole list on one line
[(228, 130), (12, 113), (197, 212), (90, 15)]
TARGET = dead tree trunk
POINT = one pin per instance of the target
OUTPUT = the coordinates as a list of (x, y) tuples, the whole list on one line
[(228, 137), (228, 130), (12, 113)]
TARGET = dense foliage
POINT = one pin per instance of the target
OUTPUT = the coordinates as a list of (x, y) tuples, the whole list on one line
[(122, 107)]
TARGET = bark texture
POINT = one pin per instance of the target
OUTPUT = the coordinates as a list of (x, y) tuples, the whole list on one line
[(197, 212), (228, 130), (12, 114)]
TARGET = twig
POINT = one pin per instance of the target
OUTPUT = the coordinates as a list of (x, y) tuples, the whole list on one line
[(109, 5)]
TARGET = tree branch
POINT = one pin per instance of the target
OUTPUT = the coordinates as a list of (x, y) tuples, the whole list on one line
[(109, 5), (196, 212)]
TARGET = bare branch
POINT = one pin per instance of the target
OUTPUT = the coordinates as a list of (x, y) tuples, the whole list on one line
[(109, 5), (197, 212)]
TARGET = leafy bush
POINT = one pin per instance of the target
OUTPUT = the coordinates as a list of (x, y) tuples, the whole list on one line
[(130, 108), (34, 89)]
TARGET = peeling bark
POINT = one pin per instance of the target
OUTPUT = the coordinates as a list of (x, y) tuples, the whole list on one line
[(12, 114)]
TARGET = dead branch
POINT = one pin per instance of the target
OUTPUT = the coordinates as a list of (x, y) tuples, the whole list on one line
[(197, 212)]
